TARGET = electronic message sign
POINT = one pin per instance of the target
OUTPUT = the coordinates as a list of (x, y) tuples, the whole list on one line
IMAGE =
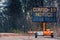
[(44, 14)]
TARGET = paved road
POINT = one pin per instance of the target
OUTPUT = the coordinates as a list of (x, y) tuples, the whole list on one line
[(26, 38)]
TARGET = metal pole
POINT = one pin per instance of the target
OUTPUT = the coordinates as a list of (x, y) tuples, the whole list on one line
[(44, 26)]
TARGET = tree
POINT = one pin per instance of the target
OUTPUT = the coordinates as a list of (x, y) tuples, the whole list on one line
[(34, 3)]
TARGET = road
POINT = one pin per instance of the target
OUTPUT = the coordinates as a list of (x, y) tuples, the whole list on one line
[(26, 38)]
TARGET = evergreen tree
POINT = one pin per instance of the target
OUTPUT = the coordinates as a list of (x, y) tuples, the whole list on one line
[(34, 3), (15, 13)]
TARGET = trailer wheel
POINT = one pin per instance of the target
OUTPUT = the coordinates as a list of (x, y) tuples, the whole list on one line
[(52, 36)]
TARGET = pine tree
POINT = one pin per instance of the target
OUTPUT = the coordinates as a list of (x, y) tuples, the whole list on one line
[(34, 3), (15, 11)]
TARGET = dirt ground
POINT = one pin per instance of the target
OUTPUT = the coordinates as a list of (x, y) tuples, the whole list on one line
[(26, 38)]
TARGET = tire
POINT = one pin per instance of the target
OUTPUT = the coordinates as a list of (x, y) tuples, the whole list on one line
[(52, 36)]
